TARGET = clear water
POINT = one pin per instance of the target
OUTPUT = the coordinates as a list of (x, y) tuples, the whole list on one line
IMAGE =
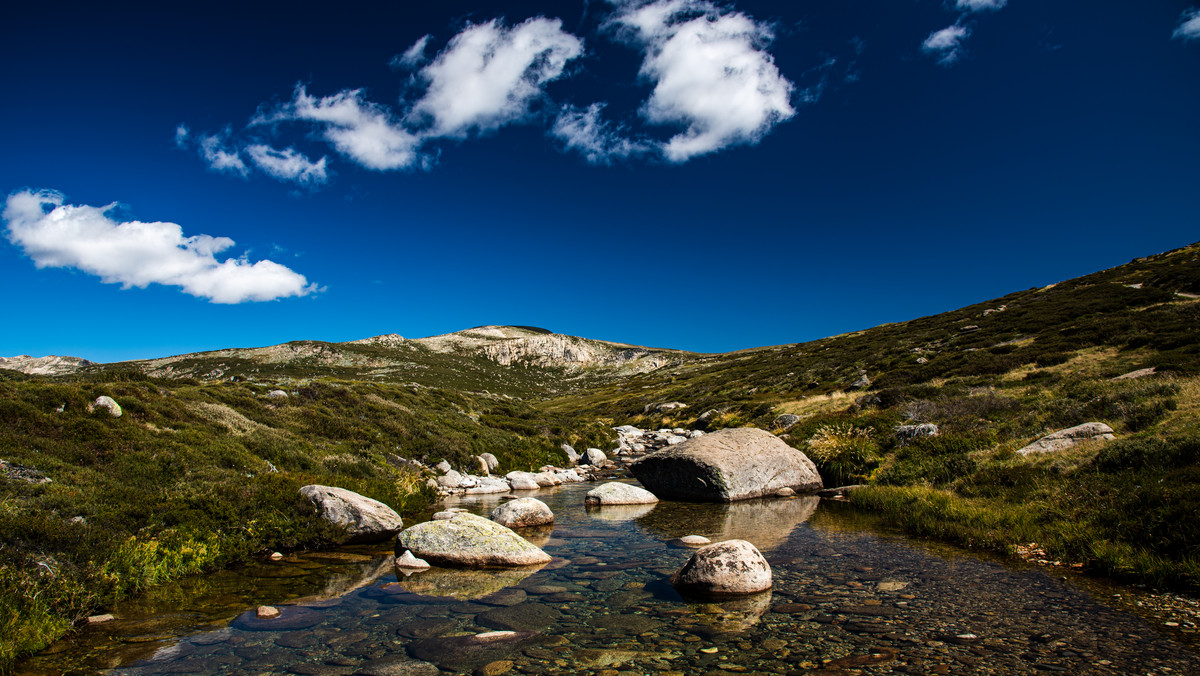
[(845, 600)]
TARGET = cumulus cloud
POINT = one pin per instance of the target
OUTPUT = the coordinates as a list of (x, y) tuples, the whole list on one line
[(219, 156), (1189, 25), (414, 55), (362, 131), (947, 44), (134, 253), (979, 5), (287, 164), (583, 130), (710, 72), (489, 75)]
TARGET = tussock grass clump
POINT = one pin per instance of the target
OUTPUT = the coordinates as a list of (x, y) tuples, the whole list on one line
[(844, 454)]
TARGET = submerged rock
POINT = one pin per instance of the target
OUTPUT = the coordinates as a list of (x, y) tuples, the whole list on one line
[(464, 653), (728, 465), (364, 519), (523, 512), (469, 541), (615, 493), (729, 568), (1092, 431)]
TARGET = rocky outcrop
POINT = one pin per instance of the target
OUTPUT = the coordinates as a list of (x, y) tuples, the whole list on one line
[(615, 493), (523, 512), (728, 465), (785, 421), (469, 541), (364, 519), (730, 568), (44, 366), (1092, 431)]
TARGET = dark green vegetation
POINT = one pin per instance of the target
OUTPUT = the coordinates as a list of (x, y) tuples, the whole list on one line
[(183, 482)]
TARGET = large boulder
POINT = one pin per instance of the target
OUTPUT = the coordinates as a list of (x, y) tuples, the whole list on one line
[(615, 493), (469, 541), (595, 457), (1092, 431), (492, 462), (523, 512), (486, 485), (728, 465), (522, 481), (572, 455), (729, 568), (364, 519), (107, 403)]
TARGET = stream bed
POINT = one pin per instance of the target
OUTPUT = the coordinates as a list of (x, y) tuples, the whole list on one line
[(846, 600)]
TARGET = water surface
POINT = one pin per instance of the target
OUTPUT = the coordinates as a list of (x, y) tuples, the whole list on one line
[(845, 600)]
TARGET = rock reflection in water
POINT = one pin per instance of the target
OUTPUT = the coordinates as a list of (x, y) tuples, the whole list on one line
[(764, 523), (619, 512), (461, 584), (722, 618)]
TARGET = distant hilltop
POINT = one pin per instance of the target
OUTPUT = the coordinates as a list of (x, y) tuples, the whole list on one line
[(50, 365)]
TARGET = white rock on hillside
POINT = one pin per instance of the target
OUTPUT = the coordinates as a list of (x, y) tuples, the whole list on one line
[(1092, 431), (105, 402)]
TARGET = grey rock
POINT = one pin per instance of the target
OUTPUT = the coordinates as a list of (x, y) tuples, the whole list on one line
[(397, 666), (443, 467), (489, 485), (523, 512), (615, 493), (729, 568), (451, 479), (108, 403), (675, 439), (481, 465), (862, 383), (728, 465), (522, 481), (906, 433), (407, 560), (492, 462), (277, 394), (364, 519), (11, 470), (1140, 373), (785, 421), (469, 541), (595, 457), (547, 479), (1092, 431), (572, 455), (839, 492)]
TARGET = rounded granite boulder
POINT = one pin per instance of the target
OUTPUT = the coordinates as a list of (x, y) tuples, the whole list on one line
[(364, 519), (616, 493), (523, 512), (729, 568), (469, 541), (725, 466)]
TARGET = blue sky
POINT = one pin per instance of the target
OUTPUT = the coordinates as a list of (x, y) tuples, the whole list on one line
[(673, 173)]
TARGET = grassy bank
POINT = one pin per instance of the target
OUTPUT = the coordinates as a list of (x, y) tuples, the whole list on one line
[(195, 476)]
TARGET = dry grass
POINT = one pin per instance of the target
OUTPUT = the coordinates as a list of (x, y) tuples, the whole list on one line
[(221, 414), (819, 404)]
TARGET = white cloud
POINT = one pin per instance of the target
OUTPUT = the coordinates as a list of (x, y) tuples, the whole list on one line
[(947, 44), (363, 131), (583, 130), (138, 254), (219, 156), (414, 55), (1189, 25), (287, 164), (710, 74), (980, 5), (181, 136), (489, 75)]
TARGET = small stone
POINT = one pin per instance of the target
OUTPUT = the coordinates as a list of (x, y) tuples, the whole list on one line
[(495, 668), (407, 560), (276, 556), (785, 492), (100, 619), (709, 651), (442, 516), (267, 613), (695, 540)]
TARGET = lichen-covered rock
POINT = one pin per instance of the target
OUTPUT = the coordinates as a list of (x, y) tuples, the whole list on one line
[(491, 461), (729, 568), (615, 493), (906, 433), (595, 457), (469, 541), (523, 512), (364, 519), (728, 465), (572, 454), (1092, 431), (786, 421), (489, 484)]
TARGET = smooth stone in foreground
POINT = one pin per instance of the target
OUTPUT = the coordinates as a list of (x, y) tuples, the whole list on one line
[(523, 512), (614, 493), (729, 568), (290, 618), (469, 541), (464, 653)]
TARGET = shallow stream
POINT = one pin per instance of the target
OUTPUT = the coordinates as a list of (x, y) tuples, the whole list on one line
[(846, 600)]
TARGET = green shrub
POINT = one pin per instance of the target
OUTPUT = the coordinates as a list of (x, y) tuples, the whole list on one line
[(844, 454)]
